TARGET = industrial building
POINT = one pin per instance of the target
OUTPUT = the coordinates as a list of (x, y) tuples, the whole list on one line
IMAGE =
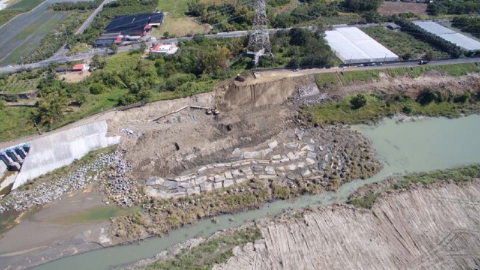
[(462, 41), (351, 45), (129, 27)]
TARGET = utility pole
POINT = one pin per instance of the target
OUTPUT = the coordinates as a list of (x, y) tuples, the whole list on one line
[(259, 40)]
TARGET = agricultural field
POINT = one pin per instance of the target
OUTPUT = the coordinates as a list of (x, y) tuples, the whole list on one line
[(14, 86), (20, 36), (390, 8), (25, 4), (403, 44), (176, 23)]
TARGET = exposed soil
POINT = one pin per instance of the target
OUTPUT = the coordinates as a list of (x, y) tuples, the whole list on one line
[(390, 8), (73, 77), (434, 227)]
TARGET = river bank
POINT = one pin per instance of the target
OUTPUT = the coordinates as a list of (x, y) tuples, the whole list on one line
[(402, 148)]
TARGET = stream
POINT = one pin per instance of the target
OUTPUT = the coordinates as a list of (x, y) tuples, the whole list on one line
[(415, 146)]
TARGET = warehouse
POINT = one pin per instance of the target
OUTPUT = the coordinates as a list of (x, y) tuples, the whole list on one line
[(447, 34), (352, 45)]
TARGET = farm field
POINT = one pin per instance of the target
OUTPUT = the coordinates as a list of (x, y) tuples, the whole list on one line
[(390, 8), (174, 8), (25, 4), (403, 44), (20, 35), (12, 85), (180, 27)]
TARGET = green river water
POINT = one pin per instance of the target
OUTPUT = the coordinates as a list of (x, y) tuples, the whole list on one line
[(423, 145)]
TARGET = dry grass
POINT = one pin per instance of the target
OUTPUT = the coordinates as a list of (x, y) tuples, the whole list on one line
[(390, 8), (74, 77), (180, 27)]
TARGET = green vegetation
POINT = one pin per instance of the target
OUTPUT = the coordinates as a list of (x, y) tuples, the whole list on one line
[(224, 17), (363, 5), (364, 202), (435, 41), (80, 5), (438, 7), (20, 82), (216, 250), (25, 5), (7, 15), (95, 214), (368, 108), (175, 8), (403, 44), (299, 48), (458, 175), (469, 25), (124, 79)]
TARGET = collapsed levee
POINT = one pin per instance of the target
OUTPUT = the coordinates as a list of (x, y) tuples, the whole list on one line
[(427, 227), (62, 148)]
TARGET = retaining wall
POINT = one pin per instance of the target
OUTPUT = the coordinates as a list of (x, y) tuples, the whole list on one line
[(62, 148)]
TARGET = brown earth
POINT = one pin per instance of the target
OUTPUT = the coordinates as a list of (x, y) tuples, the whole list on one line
[(390, 8), (73, 77), (435, 227)]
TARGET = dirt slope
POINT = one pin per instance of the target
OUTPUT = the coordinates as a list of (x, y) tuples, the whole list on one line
[(424, 228)]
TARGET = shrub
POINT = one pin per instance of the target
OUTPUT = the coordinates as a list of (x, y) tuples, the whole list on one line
[(358, 101), (97, 89)]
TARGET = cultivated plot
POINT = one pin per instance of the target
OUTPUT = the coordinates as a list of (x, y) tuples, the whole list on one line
[(21, 35)]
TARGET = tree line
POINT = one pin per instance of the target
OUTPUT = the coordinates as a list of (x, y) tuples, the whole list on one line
[(80, 5), (469, 25), (438, 7)]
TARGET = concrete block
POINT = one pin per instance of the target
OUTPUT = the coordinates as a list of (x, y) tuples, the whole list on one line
[(291, 167), (311, 155), (270, 170), (308, 147), (306, 173), (273, 144), (249, 155), (207, 186), (200, 180), (240, 180), (217, 185), (300, 164), (291, 156), (227, 183), (202, 169), (219, 178), (310, 161), (266, 176), (228, 175)]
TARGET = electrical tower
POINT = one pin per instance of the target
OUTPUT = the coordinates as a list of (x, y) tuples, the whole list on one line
[(259, 41)]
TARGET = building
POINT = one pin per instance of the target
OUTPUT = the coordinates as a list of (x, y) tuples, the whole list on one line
[(107, 39), (80, 67), (164, 49)]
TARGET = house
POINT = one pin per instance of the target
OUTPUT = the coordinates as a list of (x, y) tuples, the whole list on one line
[(164, 49), (80, 67)]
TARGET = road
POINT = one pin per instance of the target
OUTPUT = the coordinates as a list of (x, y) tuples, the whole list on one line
[(60, 56), (90, 18)]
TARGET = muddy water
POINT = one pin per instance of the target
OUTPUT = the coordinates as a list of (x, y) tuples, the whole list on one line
[(423, 145)]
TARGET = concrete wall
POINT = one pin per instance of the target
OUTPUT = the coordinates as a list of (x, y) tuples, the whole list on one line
[(62, 148)]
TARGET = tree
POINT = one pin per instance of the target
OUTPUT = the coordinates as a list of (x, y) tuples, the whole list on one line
[(429, 56), (97, 89), (166, 34), (114, 48), (50, 109), (363, 5), (358, 101)]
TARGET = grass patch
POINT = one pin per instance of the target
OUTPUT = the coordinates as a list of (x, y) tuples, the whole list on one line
[(380, 106), (7, 15), (214, 251), (175, 8), (25, 4), (79, 48), (15, 121), (180, 27), (458, 175), (95, 214), (360, 76), (403, 44)]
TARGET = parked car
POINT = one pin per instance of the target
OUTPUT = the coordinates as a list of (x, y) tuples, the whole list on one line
[(372, 64), (328, 66), (360, 65), (422, 62)]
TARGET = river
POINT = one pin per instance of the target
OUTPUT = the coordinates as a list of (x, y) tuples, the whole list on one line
[(422, 145)]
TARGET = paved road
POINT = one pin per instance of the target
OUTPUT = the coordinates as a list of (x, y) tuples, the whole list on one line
[(91, 17)]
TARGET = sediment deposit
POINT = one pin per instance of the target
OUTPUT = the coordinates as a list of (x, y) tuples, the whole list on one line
[(433, 227)]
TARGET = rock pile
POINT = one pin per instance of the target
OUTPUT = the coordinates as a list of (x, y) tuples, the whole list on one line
[(47, 192), (119, 187), (331, 154)]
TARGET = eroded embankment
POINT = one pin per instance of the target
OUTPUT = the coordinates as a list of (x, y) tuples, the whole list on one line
[(433, 227)]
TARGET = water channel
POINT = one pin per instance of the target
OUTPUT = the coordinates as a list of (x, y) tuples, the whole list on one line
[(421, 145)]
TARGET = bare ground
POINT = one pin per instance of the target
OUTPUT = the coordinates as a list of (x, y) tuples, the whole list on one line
[(390, 8), (432, 227)]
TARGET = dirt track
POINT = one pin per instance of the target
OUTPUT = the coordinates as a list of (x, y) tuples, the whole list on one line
[(424, 228)]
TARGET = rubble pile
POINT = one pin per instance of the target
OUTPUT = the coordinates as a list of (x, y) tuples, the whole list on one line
[(46, 192), (326, 155), (119, 187), (308, 95)]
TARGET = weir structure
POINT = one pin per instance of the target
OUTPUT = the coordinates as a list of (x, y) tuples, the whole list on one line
[(259, 40)]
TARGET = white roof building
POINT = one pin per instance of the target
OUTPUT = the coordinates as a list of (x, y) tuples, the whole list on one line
[(160, 48), (352, 45), (445, 33)]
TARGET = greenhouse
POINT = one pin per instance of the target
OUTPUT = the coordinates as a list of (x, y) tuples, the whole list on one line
[(352, 45)]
